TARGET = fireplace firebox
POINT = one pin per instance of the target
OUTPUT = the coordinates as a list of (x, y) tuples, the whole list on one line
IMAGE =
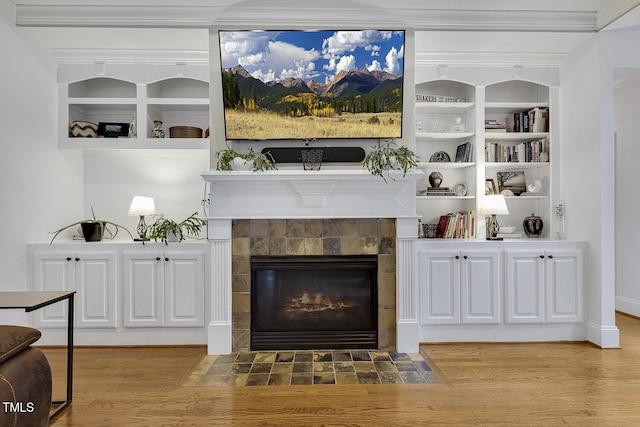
[(314, 302)]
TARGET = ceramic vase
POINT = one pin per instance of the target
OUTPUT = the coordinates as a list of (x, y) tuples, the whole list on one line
[(158, 132), (532, 226)]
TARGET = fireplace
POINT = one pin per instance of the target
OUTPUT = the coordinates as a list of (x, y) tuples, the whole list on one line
[(333, 212), (311, 302)]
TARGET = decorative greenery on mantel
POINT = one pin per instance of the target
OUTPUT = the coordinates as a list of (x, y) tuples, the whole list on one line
[(229, 159), (390, 156)]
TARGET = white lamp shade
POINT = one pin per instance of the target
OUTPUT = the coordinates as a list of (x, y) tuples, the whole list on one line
[(494, 204), (142, 205)]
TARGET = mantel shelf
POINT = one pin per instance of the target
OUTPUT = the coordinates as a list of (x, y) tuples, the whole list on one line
[(328, 193)]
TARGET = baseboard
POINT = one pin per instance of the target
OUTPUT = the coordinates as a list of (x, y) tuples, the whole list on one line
[(628, 306), (603, 336)]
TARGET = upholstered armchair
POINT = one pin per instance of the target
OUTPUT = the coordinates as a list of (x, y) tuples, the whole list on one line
[(25, 379)]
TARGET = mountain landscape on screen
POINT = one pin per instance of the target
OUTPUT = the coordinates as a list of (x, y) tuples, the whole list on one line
[(312, 84)]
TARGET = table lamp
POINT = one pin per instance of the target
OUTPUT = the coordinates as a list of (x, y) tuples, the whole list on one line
[(141, 206), (493, 205)]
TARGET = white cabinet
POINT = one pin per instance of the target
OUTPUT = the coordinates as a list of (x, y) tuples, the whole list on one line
[(164, 288), (500, 291), (459, 286), (92, 274), (176, 95), (127, 293), (544, 286)]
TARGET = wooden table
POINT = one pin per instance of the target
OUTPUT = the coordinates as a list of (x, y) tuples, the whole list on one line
[(31, 301)]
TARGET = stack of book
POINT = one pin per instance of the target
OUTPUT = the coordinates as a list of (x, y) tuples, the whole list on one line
[(534, 120), (525, 152), (509, 235), (439, 191), (494, 126), (459, 225)]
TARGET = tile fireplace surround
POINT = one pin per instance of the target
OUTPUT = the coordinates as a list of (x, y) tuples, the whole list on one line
[(296, 212)]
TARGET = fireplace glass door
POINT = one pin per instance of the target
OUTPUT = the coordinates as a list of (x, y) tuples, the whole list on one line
[(313, 302)]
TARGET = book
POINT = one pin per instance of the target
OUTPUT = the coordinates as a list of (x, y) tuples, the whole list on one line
[(457, 225), (463, 153)]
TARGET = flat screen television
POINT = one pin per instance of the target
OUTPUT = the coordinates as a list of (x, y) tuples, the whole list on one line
[(309, 85)]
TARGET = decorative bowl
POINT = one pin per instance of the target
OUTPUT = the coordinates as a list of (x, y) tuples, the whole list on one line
[(185, 132), (507, 230)]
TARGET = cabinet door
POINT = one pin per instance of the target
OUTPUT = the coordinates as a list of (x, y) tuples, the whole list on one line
[(184, 289), (480, 286), (95, 274), (439, 274), (53, 271), (563, 270), (143, 298), (525, 287)]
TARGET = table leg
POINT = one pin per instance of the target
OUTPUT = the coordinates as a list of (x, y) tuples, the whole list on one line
[(67, 401)]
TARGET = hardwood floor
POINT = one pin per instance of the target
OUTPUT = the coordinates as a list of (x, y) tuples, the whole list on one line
[(485, 384)]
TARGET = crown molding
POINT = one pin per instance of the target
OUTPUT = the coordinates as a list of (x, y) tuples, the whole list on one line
[(307, 16), (489, 59), (127, 56), (613, 10)]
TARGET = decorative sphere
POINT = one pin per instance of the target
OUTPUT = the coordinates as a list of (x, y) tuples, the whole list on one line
[(435, 179)]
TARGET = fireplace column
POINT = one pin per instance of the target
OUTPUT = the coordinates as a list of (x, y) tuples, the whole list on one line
[(407, 338), (219, 332)]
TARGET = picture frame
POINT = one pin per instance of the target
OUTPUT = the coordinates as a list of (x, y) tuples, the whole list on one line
[(490, 186), (113, 130), (513, 181)]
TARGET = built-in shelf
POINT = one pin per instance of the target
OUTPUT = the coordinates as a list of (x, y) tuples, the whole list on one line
[(177, 96)]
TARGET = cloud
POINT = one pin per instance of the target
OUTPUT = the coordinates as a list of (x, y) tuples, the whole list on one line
[(375, 66), (258, 52), (242, 47), (347, 41), (374, 49), (392, 60)]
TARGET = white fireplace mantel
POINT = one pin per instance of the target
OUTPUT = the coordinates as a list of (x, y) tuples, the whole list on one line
[(346, 193), (300, 194)]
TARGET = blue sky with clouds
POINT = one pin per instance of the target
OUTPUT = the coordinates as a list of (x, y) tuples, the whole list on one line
[(311, 55)]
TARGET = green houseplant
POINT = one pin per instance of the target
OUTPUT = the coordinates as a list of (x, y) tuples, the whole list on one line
[(166, 230), (93, 229), (229, 159), (390, 156)]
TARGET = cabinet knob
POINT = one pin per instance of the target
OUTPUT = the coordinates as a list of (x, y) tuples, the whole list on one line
[(157, 258), (68, 258), (550, 256), (542, 256), (166, 258), (457, 256), (465, 257), (77, 259)]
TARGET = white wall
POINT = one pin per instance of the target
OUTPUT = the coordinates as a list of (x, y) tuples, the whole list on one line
[(44, 188), (581, 176), (627, 127), (171, 177), (41, 186)]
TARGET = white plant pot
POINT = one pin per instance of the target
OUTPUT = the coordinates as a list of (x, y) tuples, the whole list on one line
[(240, 164)]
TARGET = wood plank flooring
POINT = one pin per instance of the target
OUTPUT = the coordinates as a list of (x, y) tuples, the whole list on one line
[(484, 384)]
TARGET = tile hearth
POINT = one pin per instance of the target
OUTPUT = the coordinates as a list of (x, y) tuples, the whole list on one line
[(312, 368)]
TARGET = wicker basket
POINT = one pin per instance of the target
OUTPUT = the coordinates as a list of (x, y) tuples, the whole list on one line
[(185, 132)]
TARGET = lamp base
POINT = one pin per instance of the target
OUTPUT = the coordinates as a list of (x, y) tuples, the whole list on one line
[(495, 238)]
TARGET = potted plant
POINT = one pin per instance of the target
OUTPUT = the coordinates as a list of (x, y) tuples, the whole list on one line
[(229, 159), (93, 229), (388, 157), (167, 230)]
